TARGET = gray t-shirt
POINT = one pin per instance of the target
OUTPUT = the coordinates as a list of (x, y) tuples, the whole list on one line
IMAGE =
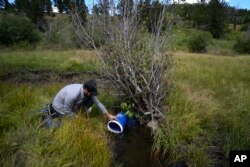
[(69, 97)]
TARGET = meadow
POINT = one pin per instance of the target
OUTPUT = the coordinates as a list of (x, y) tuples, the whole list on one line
[(208, 114), (209, 110), (79, 142)]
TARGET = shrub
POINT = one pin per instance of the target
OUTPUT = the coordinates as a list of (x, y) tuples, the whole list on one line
[(14, 29), (242, 45), (59, 33), (198, 43), (245, 27)]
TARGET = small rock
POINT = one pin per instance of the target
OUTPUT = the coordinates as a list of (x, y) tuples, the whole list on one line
[(153, 124)]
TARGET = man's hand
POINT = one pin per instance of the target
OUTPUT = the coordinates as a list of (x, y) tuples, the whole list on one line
[(110, 116)]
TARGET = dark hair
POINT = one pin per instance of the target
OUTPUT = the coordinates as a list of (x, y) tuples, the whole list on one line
[(91, 86)]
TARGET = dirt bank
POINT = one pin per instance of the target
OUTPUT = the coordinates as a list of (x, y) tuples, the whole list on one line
[(34, 76)]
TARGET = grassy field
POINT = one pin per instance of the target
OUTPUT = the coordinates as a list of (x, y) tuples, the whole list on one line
[(48, 60), (209, 110), (208, 116), (79, 142), (181, 37)]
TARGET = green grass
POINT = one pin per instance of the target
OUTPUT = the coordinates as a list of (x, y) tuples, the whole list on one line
[(221, 47), (208, 114), (49, 60), (180, 39), (181, 36), (209, 110), (79, 142)]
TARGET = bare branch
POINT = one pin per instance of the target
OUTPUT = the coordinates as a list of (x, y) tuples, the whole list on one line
[(135, 61)]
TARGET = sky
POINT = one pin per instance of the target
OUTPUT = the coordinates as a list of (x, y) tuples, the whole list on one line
[(240, 4)]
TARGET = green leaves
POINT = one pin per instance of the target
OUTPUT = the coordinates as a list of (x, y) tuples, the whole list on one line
[(128, 109), (14, 29)]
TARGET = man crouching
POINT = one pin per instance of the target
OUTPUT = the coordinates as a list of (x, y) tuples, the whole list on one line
[(69, 98)]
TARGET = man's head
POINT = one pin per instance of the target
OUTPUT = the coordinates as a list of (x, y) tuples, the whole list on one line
[(90, 88)]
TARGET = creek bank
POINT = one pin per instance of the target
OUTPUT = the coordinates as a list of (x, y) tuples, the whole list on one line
[(35, 76)]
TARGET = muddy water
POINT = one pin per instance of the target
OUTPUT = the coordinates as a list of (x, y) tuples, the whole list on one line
[(132, 148)]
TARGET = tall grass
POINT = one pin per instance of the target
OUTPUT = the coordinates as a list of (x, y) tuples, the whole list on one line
[(49, 60), (78, 142), (222, 47), (209, 110), (180, 40)]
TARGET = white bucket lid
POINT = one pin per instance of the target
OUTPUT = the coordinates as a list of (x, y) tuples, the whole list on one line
[(117, 123)]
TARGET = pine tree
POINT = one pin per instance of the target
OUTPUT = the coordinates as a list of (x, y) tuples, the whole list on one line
[(155, 14), (48, 6), (104, 5), (34, 9), (199, 15), (217, 17), (150, 13), (96, 9), (2, 4), (59, 5), (69, 5), (82, 10), (144, 8), (5, 4)]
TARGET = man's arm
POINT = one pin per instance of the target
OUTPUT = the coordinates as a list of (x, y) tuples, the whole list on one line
[(99, 104), (102, 108)]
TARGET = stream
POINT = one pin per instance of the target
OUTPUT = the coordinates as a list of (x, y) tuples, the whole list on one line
[(133, 147)]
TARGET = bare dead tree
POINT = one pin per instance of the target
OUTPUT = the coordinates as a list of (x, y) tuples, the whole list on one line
[(136, 62)]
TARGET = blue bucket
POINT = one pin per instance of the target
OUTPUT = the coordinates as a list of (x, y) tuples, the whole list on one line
[(118, 125)]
